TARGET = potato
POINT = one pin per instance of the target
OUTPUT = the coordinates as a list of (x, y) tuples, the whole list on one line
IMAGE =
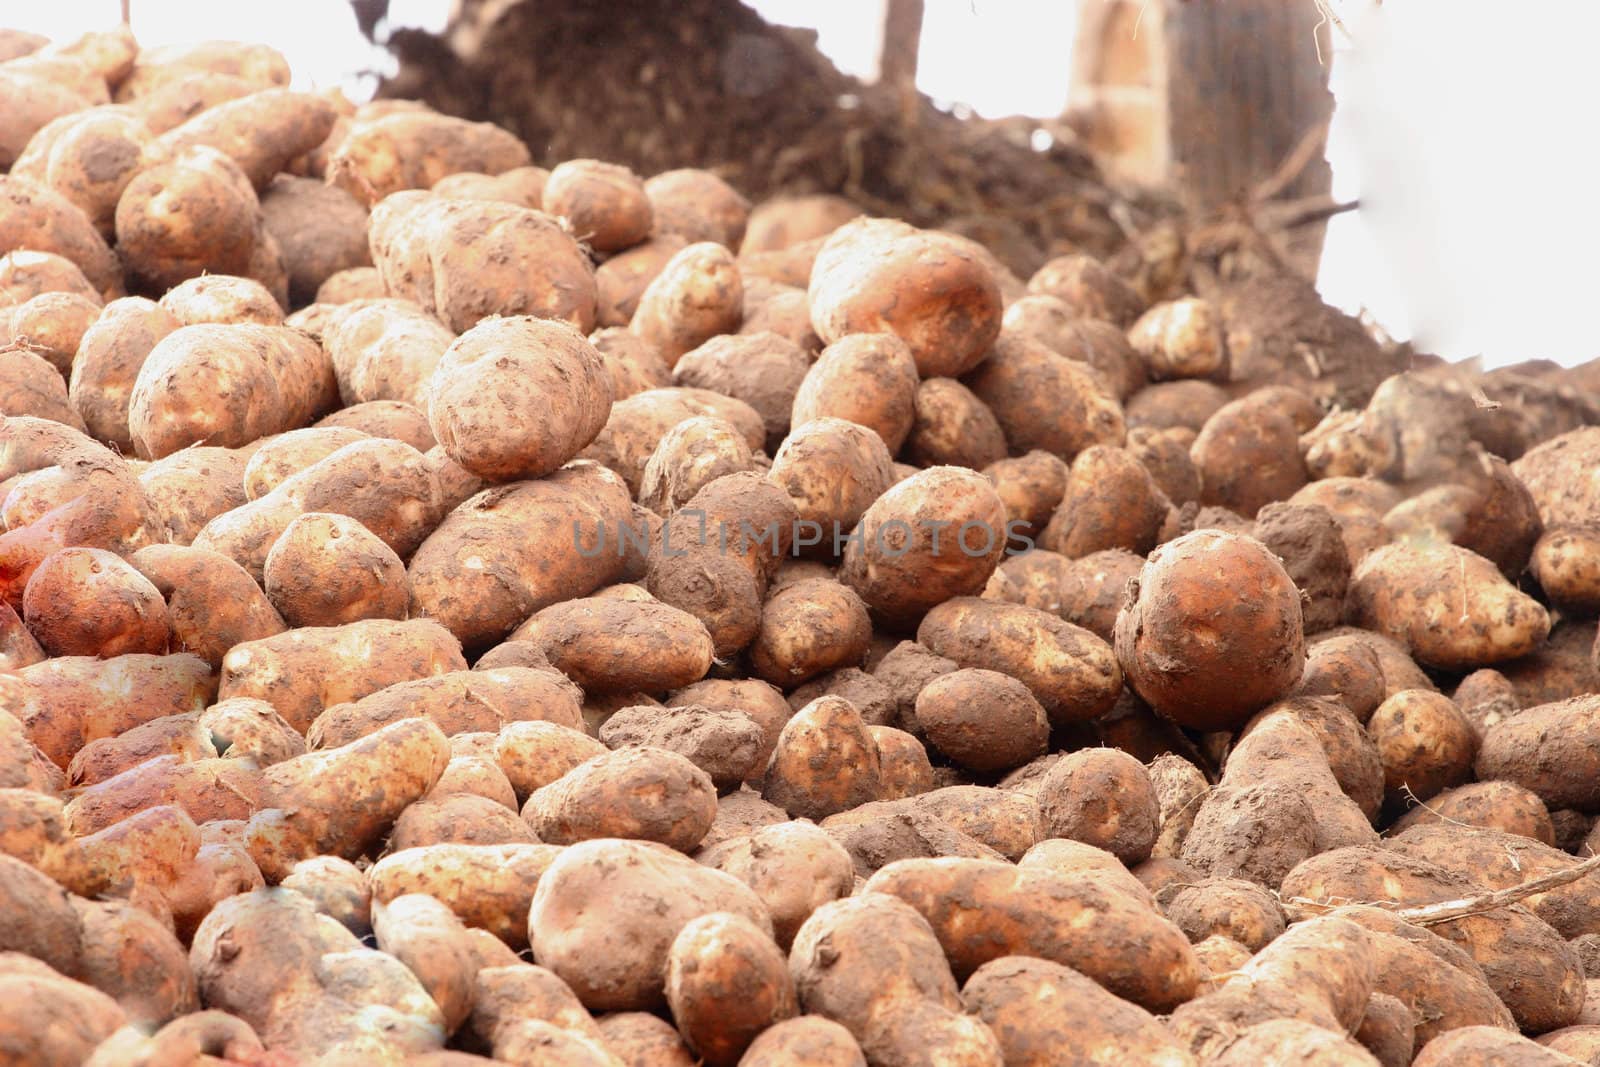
[(180, 735), (39, 101), (257, 64), (953, 427), (534, 754), (1565, 564), (982, 720), (321, 230), (349, 285), (1308, 540), (1181, 339), (1037, 1009), (824, 762), (883, 276), (386, 350), (1187, 404), (1240, 910), (249, 729), (794, 868), (1088, 289), (1524, 960), (1426, 744), (423, 934), (726, 744), (184, 92), (1101, 797), (466, 260), (130, 956), (89, 602), (1347, 669), (1031, 487), (1081, 410), (506, 997), (697, 295), (275, 379), (414, 149), (895, 560), (1165, 454), (342, 999), (194, 485), (66, 702), (1470, 1046), (773, 307), (633, 363), (605, 204), (1439, 600), (1110, 502), (369, 581), (726, 982), (1546, 749), (1178, 643), (1035, 911), (867, 379), (808, 1041), (622, 279), (1560, 473), (37, 218), (51, 325), (30, 385), (211, 602), (660, 647), (457, 701), (611, 945), (1068, 670), (644, 793), (752, 697), (109, 356), (489, 887), (1052, 322), (638, 423), (640, 1039), (763, 370), (519, 185), (65, 1020), (783, 222), (693, 454), (808, 628), (698, 205), (384, 418)]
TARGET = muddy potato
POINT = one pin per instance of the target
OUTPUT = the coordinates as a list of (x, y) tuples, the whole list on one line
[(502, 373), (697, 296), (998, 822), (1069, 671), (1471, 1046), (1031, 487), (1181, 339), (1101, 797), (605, 915), (321, 230), (833, 471), (489, 887), (763, 370), (1566, 562), (1355, 756), (457, 701), (884, 276), (693, 454), (808, 628), (89, 602), (606, 205), (612, 645), (50, 325), (1347, 669), (952, 427), (782, 222), (1549, 750), (698, 205), (1240, 910), (519, 185), (726, 982), (726, 744), (1247, 457), (982, 720), (867, 379), (393, 419), (759, 700), (1499, 806), (825, 761), (1205, 603), (640, 1039), (1426, 744), (1110, 502), (622, 279), (414, 149), (386, 350), (1037, 1008), (1100, 344), (1081, 410), (938, 534), (1088, 289), (642, 793), (30, 385), (1186, 405), (1309, 542), (633, 363), (1450, 607)]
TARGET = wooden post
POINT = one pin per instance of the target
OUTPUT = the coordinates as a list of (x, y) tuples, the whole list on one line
[(897, 58)]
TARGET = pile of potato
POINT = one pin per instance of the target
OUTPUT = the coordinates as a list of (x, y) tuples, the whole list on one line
[(453, 611)]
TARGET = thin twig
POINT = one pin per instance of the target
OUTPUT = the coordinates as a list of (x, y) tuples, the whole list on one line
[(1301, 156)]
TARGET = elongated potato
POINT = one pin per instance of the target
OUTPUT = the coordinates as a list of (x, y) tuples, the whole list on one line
[(458, 702), (1068, 670), (697, 296), (414, 149), (489, 887)]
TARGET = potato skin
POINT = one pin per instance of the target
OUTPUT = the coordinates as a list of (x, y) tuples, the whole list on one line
[(1101, 797), (1247, 455), (982, 720), (1211, 583), (899, 564), (1036, 911), (327, 570), (726, 982), (35, 217), (621, 280), (611, 645), (1009, 994), (515, 398), (1550, 750), (952, 427), (89, 602), (808, 628), (698, 205), (697, 296), (606, 913), (884, 276), (1450, 607), (867, 379), (489, 887), (1426, 744), (414, 149), (32, 386), (1069, 671), (1043, 400), (824, 762), (605, 204), (649, 794), (321, 230), (1110, 501)]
